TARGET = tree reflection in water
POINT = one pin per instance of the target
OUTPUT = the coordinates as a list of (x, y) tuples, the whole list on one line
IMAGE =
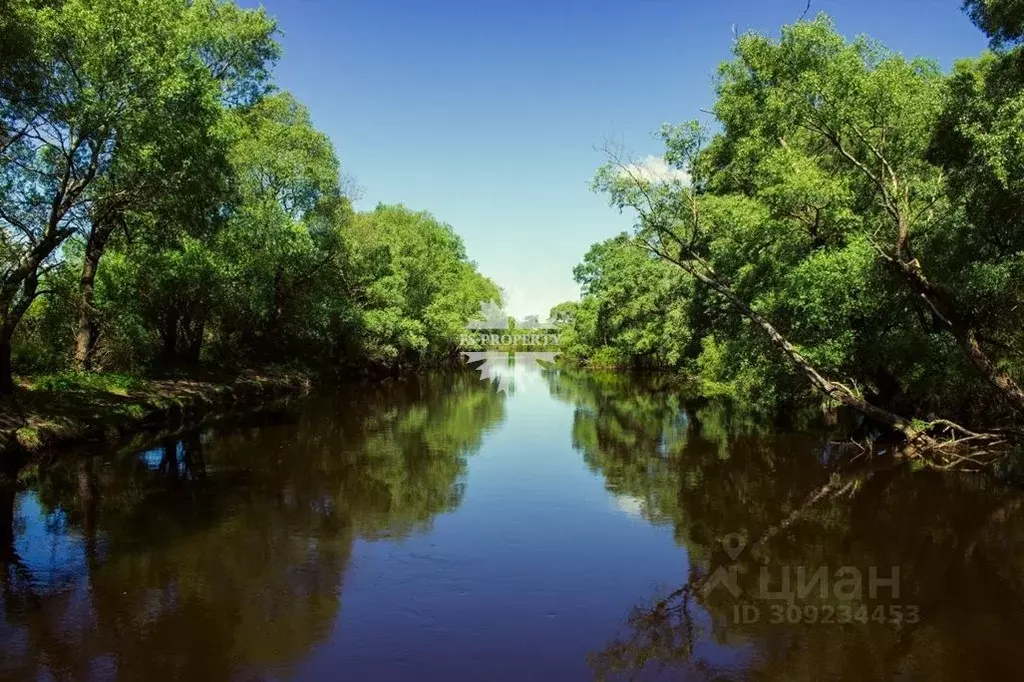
[(958, 543), (221, 555)]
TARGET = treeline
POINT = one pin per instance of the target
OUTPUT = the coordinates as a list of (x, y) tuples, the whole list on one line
[(163, 204), (853, 229)]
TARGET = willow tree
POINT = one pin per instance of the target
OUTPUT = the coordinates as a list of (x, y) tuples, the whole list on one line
[(819, 215), (281, 247), (632, 311), (840, 125)]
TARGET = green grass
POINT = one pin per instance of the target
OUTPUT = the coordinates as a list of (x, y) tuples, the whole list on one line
[(134, 410), (108, 382), (28, 436)]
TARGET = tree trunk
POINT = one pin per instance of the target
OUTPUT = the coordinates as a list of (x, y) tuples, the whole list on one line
[(272, 340), (14, 309), (88, 324), (6, 370), (194, 341), (941, 303), (832, 389), (23, 274), (169, 336), (938, 298)]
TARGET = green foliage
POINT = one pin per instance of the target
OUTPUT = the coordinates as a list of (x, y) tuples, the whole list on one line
[(46, 334), (564, 314), (1001, 20), (108, 382), (418, 287), (836, 161), (201, 218), (632, 312)]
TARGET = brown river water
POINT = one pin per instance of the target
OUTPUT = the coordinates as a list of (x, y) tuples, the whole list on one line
[(437, 529)]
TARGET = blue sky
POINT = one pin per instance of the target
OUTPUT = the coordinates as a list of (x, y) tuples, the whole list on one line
[(489, 113)]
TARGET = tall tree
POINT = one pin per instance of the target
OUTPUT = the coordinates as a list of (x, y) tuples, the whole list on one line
[(423, 288), (282, 239), (823, 214), (177, 160), (115, 75)]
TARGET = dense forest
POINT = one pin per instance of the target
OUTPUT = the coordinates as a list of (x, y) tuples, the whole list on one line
[(850, 229), (846, 233), (164, 205)]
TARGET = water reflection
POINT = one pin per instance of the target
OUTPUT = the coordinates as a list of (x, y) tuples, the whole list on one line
[(255, 551), (790, 510), (221, 555)]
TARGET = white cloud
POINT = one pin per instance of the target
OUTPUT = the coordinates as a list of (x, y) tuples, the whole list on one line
[(629, 505), (655, 169)]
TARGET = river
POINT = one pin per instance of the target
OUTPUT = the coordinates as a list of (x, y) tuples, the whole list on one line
[(435, 528)]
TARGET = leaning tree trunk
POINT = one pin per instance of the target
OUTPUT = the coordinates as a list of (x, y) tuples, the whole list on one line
[(942, 306), (88, 323), (936, 296), (832, 389)]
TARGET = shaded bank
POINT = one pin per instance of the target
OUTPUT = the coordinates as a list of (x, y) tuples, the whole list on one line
[(67, 410)]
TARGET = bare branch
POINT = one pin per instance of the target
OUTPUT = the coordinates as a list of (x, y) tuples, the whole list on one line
[(807, 9), (18, 224)]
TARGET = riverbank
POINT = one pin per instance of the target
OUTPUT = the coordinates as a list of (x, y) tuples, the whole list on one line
[(69, 409)]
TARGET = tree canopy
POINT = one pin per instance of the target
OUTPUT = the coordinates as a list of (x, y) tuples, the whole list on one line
[(853, 216), (164, 204)]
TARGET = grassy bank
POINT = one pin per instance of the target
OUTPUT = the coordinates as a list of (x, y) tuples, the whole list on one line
[(65, 409)]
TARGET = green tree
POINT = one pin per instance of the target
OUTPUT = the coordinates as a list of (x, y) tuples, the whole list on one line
[(820, 215), (282, 242), (115, 79), (424, 288), (633, 310), (563, 314), (1002, 20), (172, 167)]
